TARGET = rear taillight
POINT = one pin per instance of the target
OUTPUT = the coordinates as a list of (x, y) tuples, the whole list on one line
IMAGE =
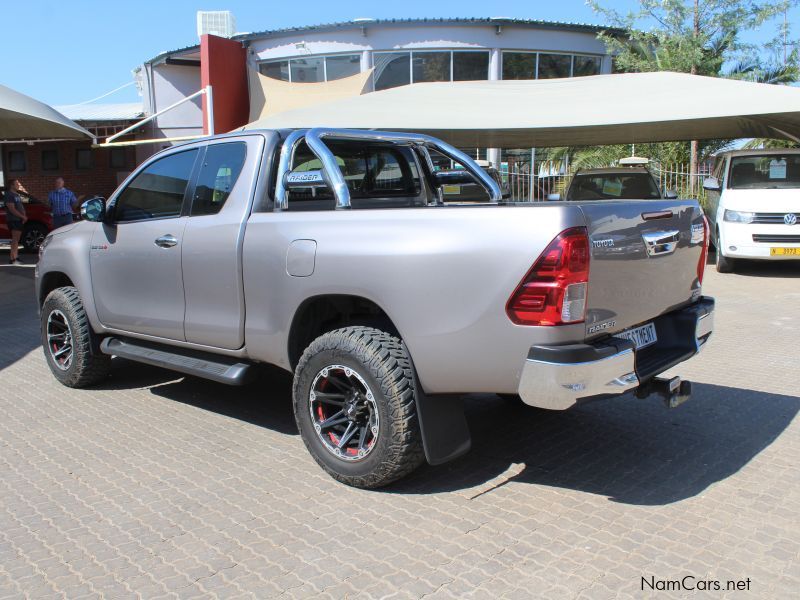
[(554, 290), (701, 265)]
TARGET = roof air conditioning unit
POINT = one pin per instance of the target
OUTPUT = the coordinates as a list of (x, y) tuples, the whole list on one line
[(216, 22)]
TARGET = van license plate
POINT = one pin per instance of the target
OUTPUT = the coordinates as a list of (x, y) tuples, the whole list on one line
[(642, 337), (784, 251)]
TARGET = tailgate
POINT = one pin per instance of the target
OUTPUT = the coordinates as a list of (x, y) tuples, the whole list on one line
[(644, 261)]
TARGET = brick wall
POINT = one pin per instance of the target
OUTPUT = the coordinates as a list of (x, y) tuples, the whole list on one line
[(100, 179)]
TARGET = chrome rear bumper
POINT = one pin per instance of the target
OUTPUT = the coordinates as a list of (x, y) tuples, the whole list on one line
[(556, 377)]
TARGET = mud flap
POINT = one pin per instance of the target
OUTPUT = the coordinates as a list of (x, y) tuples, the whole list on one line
[(445, 434)]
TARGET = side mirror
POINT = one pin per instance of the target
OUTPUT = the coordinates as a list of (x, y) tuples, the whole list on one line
[(711, 184), (453, 177), (670, 195), (94, 209), (304, 179), (554, 197)]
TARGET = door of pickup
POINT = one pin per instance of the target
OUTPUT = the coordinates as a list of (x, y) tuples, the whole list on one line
[(135, 257), (212, 242)]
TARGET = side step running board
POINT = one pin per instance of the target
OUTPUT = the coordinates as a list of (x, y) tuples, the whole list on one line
[(200, 364)]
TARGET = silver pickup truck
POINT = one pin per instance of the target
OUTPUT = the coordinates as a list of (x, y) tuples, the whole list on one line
[(332, 254)]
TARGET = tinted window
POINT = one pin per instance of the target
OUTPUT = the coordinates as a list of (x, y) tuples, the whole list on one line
[(768, 171), (16, 160), (308, 70), (609, 186), (276, 70), (220, 170), (519, 65), (157, 191), (586, 65), (470, 66), (50, 160), (83, 158), (117, 158), (337, 67), (554, 65), (392, 69), (431, 66)]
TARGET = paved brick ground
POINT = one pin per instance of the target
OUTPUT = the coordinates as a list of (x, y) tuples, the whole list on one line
[(154, 485)]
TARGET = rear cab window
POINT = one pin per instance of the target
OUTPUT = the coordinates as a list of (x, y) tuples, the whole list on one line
[(377, 176), (613, 186)]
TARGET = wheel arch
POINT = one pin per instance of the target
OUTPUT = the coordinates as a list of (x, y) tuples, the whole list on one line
[(320, 314), (50, 281)]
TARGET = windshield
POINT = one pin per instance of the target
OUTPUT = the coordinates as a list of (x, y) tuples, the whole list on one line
[(613, 186), (768, 171)]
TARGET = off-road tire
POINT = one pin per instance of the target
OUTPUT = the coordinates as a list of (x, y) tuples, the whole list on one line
[(383, 362), (88, 365)]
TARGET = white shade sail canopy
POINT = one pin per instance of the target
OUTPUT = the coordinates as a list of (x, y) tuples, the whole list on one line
[(23, 118), (602, 109)]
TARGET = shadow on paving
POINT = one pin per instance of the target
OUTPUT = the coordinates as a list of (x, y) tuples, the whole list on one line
[(762, 268), (632, 451), (19, 329), (267, 402)]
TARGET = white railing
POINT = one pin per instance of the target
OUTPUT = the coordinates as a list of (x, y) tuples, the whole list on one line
[(553, 178)]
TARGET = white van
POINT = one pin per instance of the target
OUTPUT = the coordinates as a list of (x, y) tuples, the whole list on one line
[(754, 206)]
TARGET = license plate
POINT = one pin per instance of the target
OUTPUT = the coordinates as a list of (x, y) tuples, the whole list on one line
[(642, 337), (784, 251)]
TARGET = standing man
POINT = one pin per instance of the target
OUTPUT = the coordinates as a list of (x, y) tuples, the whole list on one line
[(62, 202), (15, 215)]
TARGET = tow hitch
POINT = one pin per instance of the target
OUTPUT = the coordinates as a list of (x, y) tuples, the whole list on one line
[(672, 391)]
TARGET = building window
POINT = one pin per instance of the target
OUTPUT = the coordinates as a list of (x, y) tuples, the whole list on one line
[(519, 65), (307, 70), (16, 161), (392, 69), (586, 65), (552, 66), (470, 66), (117, 158), (49, 160), (278, 69), (339, 67), (83, 158), (312, 69), (430, 66)]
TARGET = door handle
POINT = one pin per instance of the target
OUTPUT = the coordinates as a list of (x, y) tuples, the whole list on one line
[(166, 241), (661, 242)]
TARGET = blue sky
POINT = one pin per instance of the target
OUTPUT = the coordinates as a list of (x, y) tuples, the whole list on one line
[(70, 51)]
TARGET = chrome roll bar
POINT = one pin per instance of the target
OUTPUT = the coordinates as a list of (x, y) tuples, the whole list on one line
[(333, 174)]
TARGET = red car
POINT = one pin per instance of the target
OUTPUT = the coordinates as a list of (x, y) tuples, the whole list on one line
[(38, 225)]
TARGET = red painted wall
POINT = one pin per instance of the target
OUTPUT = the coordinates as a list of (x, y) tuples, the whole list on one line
[(223, 66)]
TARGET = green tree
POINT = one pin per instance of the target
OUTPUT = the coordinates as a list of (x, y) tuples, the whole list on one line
[(688, 36)]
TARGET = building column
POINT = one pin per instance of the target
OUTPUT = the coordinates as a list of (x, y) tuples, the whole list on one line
[(495, 74), (366, 65)]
